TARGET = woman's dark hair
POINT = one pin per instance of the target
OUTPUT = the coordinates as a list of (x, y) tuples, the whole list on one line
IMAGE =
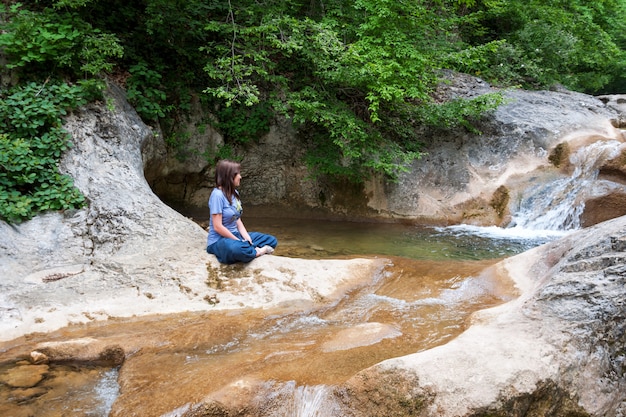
[(225, 173)]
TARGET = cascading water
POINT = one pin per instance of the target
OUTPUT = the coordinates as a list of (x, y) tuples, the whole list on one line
[(546, 210), (558, 205), (551, 207), (312, 401), (107, 390)]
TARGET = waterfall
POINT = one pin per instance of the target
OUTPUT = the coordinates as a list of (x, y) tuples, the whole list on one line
[(307, 401), (558, 205)]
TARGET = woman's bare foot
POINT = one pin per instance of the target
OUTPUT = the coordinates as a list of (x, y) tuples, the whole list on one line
[(265, 250)]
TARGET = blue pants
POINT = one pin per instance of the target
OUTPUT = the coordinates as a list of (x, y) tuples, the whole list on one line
[(230, 251)]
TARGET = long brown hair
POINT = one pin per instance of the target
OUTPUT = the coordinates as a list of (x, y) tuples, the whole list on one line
[(225, 173)]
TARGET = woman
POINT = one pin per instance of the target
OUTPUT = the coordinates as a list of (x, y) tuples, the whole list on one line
[(228, 238)]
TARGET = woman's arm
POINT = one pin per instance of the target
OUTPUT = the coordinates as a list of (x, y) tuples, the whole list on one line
[(221, 229), (243, 231)]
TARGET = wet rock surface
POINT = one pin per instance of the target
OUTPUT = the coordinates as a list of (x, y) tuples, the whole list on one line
[(129, 254), (556, 350), (87, 350)]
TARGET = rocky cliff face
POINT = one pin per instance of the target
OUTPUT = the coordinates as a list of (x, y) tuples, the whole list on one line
[(462, 178), (556, 350), (466, 178)]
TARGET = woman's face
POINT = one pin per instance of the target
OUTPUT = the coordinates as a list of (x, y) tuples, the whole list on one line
[(237, 179)]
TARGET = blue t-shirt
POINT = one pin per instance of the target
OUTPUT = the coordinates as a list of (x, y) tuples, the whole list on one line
[(231, 212)]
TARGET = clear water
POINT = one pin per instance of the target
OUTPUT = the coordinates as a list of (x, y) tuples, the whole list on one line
[(66, 390), (322, 239)]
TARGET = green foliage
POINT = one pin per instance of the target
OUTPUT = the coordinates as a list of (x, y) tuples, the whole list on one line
[(72, 4), (51, 40), (345, 146), (536, 44), (392, 58), (356, 77), (323, 82), (31, 145), (456, 113), (145, 93), (347, 79), (349, 75), (178, 142), (243, 124), (222, 152), (45, 44)]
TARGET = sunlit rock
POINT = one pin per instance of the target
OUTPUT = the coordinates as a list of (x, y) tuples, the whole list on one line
[(128, 254), (38, 358), (86, 350), (456, 180), (558, 349), (618, 103)]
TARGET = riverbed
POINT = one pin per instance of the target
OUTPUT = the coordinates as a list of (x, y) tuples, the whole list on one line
[(433, 281)]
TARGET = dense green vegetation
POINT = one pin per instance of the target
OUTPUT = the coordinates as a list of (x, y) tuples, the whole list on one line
[(31, 143), (355, 77)]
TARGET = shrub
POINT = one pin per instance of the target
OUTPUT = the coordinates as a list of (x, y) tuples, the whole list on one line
[(31, 144)]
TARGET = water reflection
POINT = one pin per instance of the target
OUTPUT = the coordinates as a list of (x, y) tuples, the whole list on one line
[(321, 239)]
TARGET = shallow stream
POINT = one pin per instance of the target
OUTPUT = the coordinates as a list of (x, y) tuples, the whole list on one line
[(435, 279)]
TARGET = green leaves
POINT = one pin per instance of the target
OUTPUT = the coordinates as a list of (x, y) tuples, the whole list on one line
[(32, 109), (243, 124), (41, 41), (145, 92), (31, 144), (458, 112), (356, 76), (30, 181), (329, 78), (574, 43)]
